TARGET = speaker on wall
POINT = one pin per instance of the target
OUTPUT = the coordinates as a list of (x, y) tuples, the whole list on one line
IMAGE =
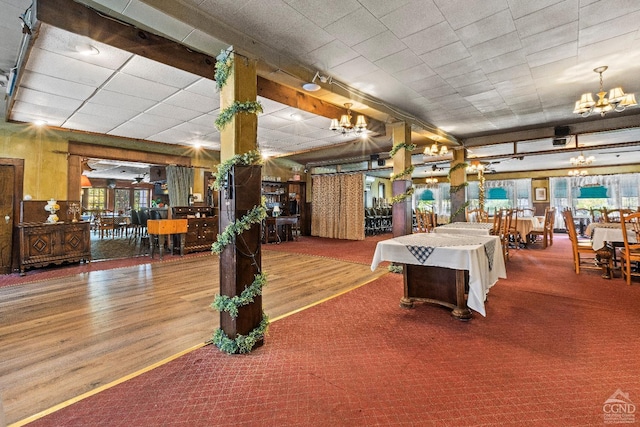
[(562, 131), (381, 162)]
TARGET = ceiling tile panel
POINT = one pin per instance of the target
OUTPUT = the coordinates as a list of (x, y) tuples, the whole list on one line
[(204, 87), (160, 122), (496, 47), (381, 8), (326, 12), (92, 123), (193, 101), (353, 69), (412, 17), (554, 54), (172, 111), (399, 61), (356, 27), (473, 89), (48, 100), (53, 115), (502, 62), (601, 11), (520, 8), (207, 120), (331, 55), (511, 74), (172, 136), (136, 86), (548, 18), (194, 129), (379, 46), (135, 130), (47, 84), (105, 112), (434, 37), (115, 99), (154, 71), (457, 68), (414, 73), (460, 13), (487, 29), (610, 29), (269, 106), (445, 55), (66, 68), (554, 37)]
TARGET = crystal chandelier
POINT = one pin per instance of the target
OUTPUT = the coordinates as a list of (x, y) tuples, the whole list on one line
[(434, 150), (431, 181), (581, 160), (578, 172), (617, 100), (344, 126)]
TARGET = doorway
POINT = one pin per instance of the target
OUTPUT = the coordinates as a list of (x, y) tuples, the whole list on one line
[(11, 177)]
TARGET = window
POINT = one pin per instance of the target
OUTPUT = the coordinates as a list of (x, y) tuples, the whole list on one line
[(140, 199), (96, 198), (122, 201)]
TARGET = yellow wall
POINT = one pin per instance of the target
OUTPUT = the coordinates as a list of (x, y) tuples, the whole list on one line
[(45, 156)]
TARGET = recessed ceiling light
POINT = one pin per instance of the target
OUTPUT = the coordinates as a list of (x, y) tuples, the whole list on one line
[(296, 116), (87, 49), (311, 87), (39, 122)]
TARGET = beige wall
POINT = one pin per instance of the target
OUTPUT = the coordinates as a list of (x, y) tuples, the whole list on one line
[(45, 156)]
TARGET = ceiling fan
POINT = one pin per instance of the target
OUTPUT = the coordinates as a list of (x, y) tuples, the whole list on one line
[(139, 179)]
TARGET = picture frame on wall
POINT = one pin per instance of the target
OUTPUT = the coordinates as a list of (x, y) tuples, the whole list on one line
[(540, 194)]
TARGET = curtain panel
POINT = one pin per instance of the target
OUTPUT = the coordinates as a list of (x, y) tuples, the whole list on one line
[(179, 183), (338, 206)]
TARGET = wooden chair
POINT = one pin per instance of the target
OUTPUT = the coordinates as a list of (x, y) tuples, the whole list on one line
[(514, 235), (597, 215), (497, 224), (425, 221), (601, 257), (476, 215), (630, 252), (614, 215), (546, 231), (504, 231)]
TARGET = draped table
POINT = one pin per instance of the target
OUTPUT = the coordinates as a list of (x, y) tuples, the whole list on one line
[(602, 232), (475, 228), (438, 266), (526, 224)]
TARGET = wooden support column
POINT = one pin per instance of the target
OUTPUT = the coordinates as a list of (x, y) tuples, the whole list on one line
[(241, 260), (401, 212), (458, 177)]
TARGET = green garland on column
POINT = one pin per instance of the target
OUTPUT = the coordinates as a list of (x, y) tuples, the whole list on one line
[(399, 198), (398, 146), (457, 188), (223, 303), (407, 171)]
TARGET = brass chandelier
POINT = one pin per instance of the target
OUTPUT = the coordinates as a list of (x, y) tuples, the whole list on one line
[(618, 101), (344, 126)]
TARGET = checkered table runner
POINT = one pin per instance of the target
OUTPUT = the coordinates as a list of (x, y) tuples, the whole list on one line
[(422, 245)]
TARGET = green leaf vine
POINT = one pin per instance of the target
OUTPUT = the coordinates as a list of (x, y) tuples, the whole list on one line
[(226, 115), (232, 304), (399, 198), (254, 216), (224, 65), (398, 146), (456, 167), (243, 343), (459, 210), (395, 268), (454, 189), (247, 159), (407, 171)]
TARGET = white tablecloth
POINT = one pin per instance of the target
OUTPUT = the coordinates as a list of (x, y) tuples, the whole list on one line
[(526, 224), (476, 228), (480, 255), (607, 232)]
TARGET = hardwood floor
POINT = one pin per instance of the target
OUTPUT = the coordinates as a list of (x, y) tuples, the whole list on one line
[(68, 336)]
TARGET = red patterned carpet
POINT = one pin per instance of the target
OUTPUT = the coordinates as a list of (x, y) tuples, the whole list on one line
[(553, 348)]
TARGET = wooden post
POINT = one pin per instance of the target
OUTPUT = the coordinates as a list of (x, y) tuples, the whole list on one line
[(401, 212), (458, 177), (241, 260)]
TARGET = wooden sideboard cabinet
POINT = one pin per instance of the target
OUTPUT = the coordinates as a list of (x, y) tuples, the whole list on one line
[(202, 226), (42, 244)]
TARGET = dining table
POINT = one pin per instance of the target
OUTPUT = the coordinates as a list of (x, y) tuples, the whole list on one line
[(603, 232), (441, 268), (477, 228), (527, 223)]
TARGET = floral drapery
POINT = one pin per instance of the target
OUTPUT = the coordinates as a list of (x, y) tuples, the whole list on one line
[(179, 184), (338, 206)]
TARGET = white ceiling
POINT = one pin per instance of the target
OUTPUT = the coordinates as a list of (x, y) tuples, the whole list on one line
[(470, 68)]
